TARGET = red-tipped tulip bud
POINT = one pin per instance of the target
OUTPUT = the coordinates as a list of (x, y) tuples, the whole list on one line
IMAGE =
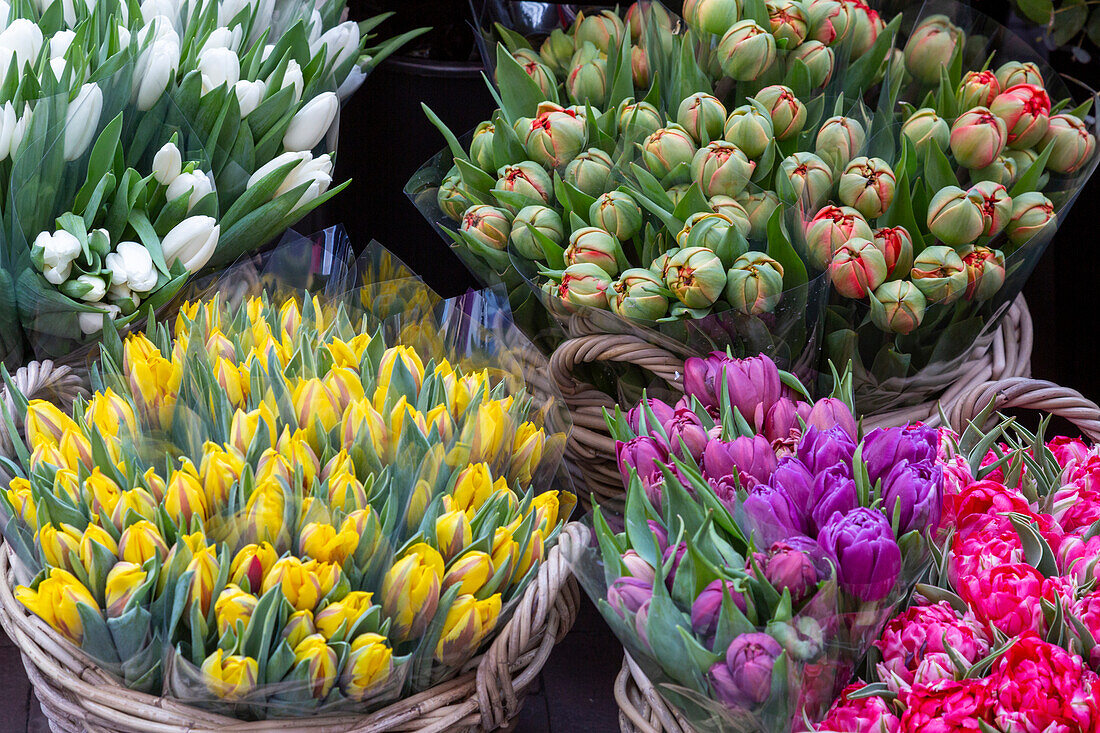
[(787, 112), (453, 197), (487, 225), (1032, 212), (595, 246), (977, 89), (985, 272), (746, 51), (839, 140), (667, 149), (995, 204), (940, 274), (1004, 169), (977, 138), (830, 21), (788, 21), (754, 284), (732, 210), (1025, 109), (603, 30), (931, 47), (585, 284), (896, 246), (639, 295), (866, 25), (818, 58), (898, 306), (527, 179), (587, 83), (703, 116), (617, 213), (638, 120), (858, 267), (555, 137), (810, 177), (831, 227), (545, 221), (707, 229), (867, 185), (712, 16), (1073, 144), (721, 168), (1012, 73), (750, 129), (954, 218), (924, 127), (590, 172), (696, 277)]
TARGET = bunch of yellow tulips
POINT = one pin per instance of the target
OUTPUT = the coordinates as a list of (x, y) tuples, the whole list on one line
[(267, 508)]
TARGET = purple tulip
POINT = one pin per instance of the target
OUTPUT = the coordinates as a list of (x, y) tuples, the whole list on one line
[(700, 376), (780, 420), (707, 607), (660, 533), (636, 415), (641, 623), (868, 557), (685, 430), (820, 449), (637, 567), (744, 679), (792, 476), (626, 595), (644, 454), (831, 412), (919, 488), (773, 515), (725, 489), (753, 383), (886, 447), (795, 570), (679, 551), (748, 457), (834, 491)]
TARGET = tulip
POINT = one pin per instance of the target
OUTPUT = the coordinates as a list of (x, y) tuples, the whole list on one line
[(1032, 213), (339, 617), (487, 225), (323, 542), (58, 543), (712, 16), (167, 164), (156, 66), (590, 172), (527, 451), (857, 268), (57, 600), (368, 668), (341, 43), (251, 564), (830, 228), (830, 411), (218, 67), (781, 426), (931, 46), (319, 662), (410, 591), (595, 246), (617, 213), (830, 21), (746, 51), (184, 497), (195, 185), (977, 89), (834, 491), (191, 242), (300, 586), (977, 138), (555, 137), (56, 252), (644, 455), (604, 31), (914, 491), (868, 557), (638, 120), (132, 266), (545, 221), (639, 295), (668, 149), (22, 499), (939, 273), (204, 568), (731, 210), (140, 542), (588, 83), (527, 179), (46, 423), (636, 416), (230, 676), (585, 284), (787, 567), (839, 140), (788, 21), (924, 127), (1025, 110), (897, 249), (233, 605), (955, 218), (810, 177), (787, 113), (995, 205), (1073, 145), (686, 434), (750, 458), (898, 306), (1012, 73), (703, 116), (696, 277), (707, 607), (467, 623), (744, 679), (311, 122), (749, 129), (627, 595), (820, 449), (754, 284), (709, 229), (867, 185), (82, 120), (772, 515)]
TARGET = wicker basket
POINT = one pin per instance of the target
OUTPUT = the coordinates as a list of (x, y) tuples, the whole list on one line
[(591, 450), (643, 710)]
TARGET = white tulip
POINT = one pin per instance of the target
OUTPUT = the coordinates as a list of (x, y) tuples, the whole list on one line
[(131, 266), (20, 131), (197, 184), (265, 52), (341, 42), (274, 164), (311, 122), (264, 13), (91, 323), (152, 8), (161, 28), (315, 26), (82, 119), (249, 95), (222, 38), (5, 14), (58, 66), (230, 9), (58, 250), (98, 288), (60, 42), (123, 36), (8, 123), (191, 242), (167, 164), (349, 85), (59, 274), (155, 68), (218, 66), (293, 77), (24, 38), (317, 172)]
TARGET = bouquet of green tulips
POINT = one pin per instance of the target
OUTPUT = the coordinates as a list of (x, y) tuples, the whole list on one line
[(273, 508)]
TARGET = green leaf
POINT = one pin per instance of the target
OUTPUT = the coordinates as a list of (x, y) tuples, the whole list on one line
[(1037, 11), (1029, 181), (514, 41), (937, 169), (519, 93), (452, 142), (780, 249), (1069, 20)]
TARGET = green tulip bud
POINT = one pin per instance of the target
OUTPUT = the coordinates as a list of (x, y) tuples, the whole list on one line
[(788, 21), (930, 47), (527, 178), (542, 75), (867, 185), (898, 307), (453, 197), (924, 127), (1032, 212), (830, 21), (838, 141), (754, 284), (587, 82), (639, 295), (857, 268), (1073, 145), (977, 89), (810, 178), (996, 206), (732, 209), (544, 220), (594, 246), (703, 116), (1012, 73), (985, 271), (721, 168), (866, 24), (640, 72), (759, 206), (977, 138), (712, 16), (617, 213), (557, 50), (666, 149), (746, 51), (939, 273), (585, 284), (660, 264), (677, 193), (954, 218), (555, 137), (638, 120), (696, 277), (526, 56), (590, 172), (787, 112), (481, 147), (487, 225), (749, 129), (1003, 170), (604, 31), (709, 230), (819, 59)]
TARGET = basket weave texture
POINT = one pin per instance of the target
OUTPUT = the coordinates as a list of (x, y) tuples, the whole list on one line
[(76, 695), (643, 710), (590, 448)]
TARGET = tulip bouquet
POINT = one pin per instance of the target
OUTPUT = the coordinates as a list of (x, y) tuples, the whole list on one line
[(1004, 637), (141, 145), (765, 542), (269, 511)]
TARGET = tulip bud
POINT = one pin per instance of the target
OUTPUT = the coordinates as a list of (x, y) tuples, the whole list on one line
[(167, 164), (57, 600), (542, 76), (731, 210), (709, 229), (977, 138), (666, 149), (191, 242), (954, 218), (788, 114), (754, 284), (721, 168), (830, 21), (299, 584), (555, 137), (995, 205), (638, 120), (251, 565), (82, 120), (897, 307), (368, 667), (1003, 170), (696, 277), (594, 245), (230, 676), (867, 185), (617, 213), (1032, 212), (141, 541), (588, 83), (924, 127), (452, 533), (839, 140), (1012, 73), (544, 220), (310, 123), (639, 295), (319, 662), (1025, 110), (750, 129), (604, 31), (338, 617), (707, 607), (487, 225), (811, 179), (57, 252), (788, 21), (985, 272), (896, 246), (817, 57), (590, 172), (585, 284), (977, 89), (939, 273), (557, 50), (931, 46), (831, 227), (410, 591), (627, 595), (858, 267), (1073, 144), (746, 51), (759, 207), (703, 116), (233, 605), (744, 679)]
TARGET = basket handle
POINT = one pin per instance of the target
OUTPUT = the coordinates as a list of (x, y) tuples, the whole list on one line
[(1033, 394), (39, 380)]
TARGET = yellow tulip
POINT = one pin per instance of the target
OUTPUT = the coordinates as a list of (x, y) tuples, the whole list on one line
[(219, 346), (244, 426), (22, 500), (66, 483), (298, 626), (412, 363), (346, 493), (140, 542), (368, 668), (251, 565), (58, 543), (505, 551), (452, 533), (295, 448), (473, 487), (184, 496), (345, 384), (328, 574), (322, 542), (320, 661), (233, 605), (489, 610), (46, 423), (110, 414), (47, 454), (123, 581), (75, 450), (470, 572), (219, 470), (233, 380), (418, 503), (230, 676), (95, 535), (339, 463), (101, 493), (440, 418), (313, 509), (527, 450), (344, 612), (139, 501), (410, 591), (274, 467), (461, 632), (349, 353), (460, 390), (264, 514), (490, 432), (300, 586), (290, 318), (154, 382), (57, 600), (155, 483), (361, 416), (137, 349), (205, 566), (532, 555), (546, 507)]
